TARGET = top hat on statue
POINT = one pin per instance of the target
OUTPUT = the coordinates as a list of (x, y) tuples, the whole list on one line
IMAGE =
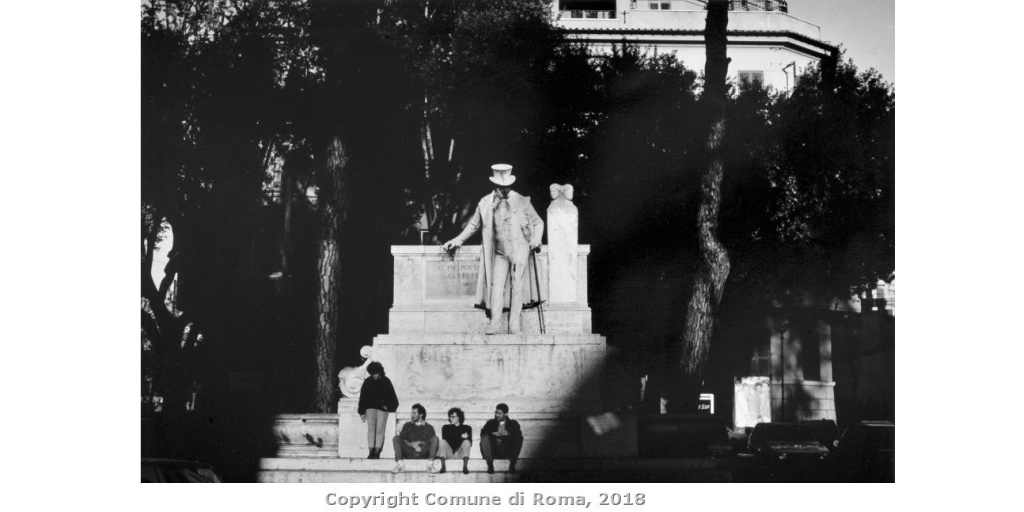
[(502, 175)]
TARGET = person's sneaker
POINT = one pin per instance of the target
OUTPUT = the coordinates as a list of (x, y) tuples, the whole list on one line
[(433, 468), (491, 329), (490, 468), (512, 468), (465, 470), (398, 467)]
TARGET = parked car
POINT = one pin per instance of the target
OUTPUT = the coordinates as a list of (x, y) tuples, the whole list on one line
[(790, 451), (178, 471), (824, 431), (866, 452)]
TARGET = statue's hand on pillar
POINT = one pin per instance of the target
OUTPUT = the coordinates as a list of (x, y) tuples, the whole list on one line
[(451, 245)]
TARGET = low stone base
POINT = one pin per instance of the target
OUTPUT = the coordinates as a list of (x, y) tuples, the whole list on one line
[(529, 470), (545, 434), (352, 431), (306, 435), (473, 371), (558, 318)]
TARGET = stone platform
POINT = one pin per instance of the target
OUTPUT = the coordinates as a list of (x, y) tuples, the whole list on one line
[(352, 470), (435, 293), (549, 382), (437, 354), (546, 434), (306, 435)]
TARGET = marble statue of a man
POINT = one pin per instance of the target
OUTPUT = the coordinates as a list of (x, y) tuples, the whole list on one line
[(511, 229)]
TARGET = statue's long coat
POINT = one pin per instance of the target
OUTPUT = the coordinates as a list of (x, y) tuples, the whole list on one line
[(533, 231)]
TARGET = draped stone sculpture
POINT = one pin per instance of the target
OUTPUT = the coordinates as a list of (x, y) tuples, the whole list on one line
[(563, 243)]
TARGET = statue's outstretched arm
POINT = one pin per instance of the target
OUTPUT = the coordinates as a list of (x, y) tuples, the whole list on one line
[(472, 227)]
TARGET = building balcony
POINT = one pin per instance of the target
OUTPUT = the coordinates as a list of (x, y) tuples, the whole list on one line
[(685, 20), (587, 15)]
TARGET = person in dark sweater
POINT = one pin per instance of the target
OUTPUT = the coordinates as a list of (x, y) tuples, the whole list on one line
[(417, 440), (501, 438), (376, 399), (458, 439)]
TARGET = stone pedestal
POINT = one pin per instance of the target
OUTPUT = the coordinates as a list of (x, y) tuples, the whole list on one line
[(437, 355), (353, 430), (434, 293)]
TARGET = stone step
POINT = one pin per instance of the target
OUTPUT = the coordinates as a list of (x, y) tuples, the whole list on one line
[(545, 434), (367, 471)]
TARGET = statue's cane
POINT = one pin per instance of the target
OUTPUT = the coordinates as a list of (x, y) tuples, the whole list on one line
[(536, 279)]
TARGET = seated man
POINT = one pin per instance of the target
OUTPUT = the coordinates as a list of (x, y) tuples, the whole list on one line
[(458, 439), (501, 438), (416, 440)]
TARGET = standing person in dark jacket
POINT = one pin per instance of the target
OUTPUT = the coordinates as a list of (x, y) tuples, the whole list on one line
[(501, 438), (376, 399), (458, 439)]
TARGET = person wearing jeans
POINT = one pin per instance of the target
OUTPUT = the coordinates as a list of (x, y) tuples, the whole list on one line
[(376, 399)]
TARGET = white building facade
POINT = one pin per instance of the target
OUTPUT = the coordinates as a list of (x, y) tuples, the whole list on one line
[(766, 43)]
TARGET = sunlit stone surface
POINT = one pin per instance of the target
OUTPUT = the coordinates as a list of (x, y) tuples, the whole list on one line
[(563, 234), (436, 353)]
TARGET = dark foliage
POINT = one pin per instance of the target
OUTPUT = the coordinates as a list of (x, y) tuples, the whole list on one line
[(241, 90)]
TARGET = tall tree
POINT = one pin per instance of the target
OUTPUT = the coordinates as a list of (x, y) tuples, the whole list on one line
[(332, 205), (213, 77), (476, 65), (713, 269)]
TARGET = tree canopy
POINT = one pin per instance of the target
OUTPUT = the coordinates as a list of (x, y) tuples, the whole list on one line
[(242, 102)]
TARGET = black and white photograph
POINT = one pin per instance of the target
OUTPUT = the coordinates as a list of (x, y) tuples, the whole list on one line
[(510, 254), (465, 241)]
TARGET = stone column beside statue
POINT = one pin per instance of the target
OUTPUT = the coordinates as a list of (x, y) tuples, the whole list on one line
[(563, 245)]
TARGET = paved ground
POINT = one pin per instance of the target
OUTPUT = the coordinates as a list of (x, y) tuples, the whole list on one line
[(731, 469)]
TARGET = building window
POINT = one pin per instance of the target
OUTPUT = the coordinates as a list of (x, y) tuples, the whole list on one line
[(810, 352), (761, 356), (747, 77), (664, 6)]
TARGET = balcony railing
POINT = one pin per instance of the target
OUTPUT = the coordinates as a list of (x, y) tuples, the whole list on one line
[(751, 5), (588, 15), (758, 5)]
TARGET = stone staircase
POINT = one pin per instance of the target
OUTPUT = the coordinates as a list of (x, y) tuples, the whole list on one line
[(352, 470)]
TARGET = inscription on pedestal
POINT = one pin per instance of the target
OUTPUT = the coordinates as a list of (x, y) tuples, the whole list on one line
[(451, 279)]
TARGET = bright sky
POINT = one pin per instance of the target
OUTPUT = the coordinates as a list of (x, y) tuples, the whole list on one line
[(865, 28)]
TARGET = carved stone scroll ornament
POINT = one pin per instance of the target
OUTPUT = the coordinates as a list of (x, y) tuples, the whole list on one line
[(350, 379), (561, 191)]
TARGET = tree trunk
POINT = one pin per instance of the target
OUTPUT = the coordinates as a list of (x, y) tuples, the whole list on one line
[(332, 204), (288, 199), (165, 330), (713, 269)]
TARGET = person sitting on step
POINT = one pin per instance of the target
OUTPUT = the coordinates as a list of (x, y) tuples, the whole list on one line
[(501, 438), (416, 440), (458, 439)]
